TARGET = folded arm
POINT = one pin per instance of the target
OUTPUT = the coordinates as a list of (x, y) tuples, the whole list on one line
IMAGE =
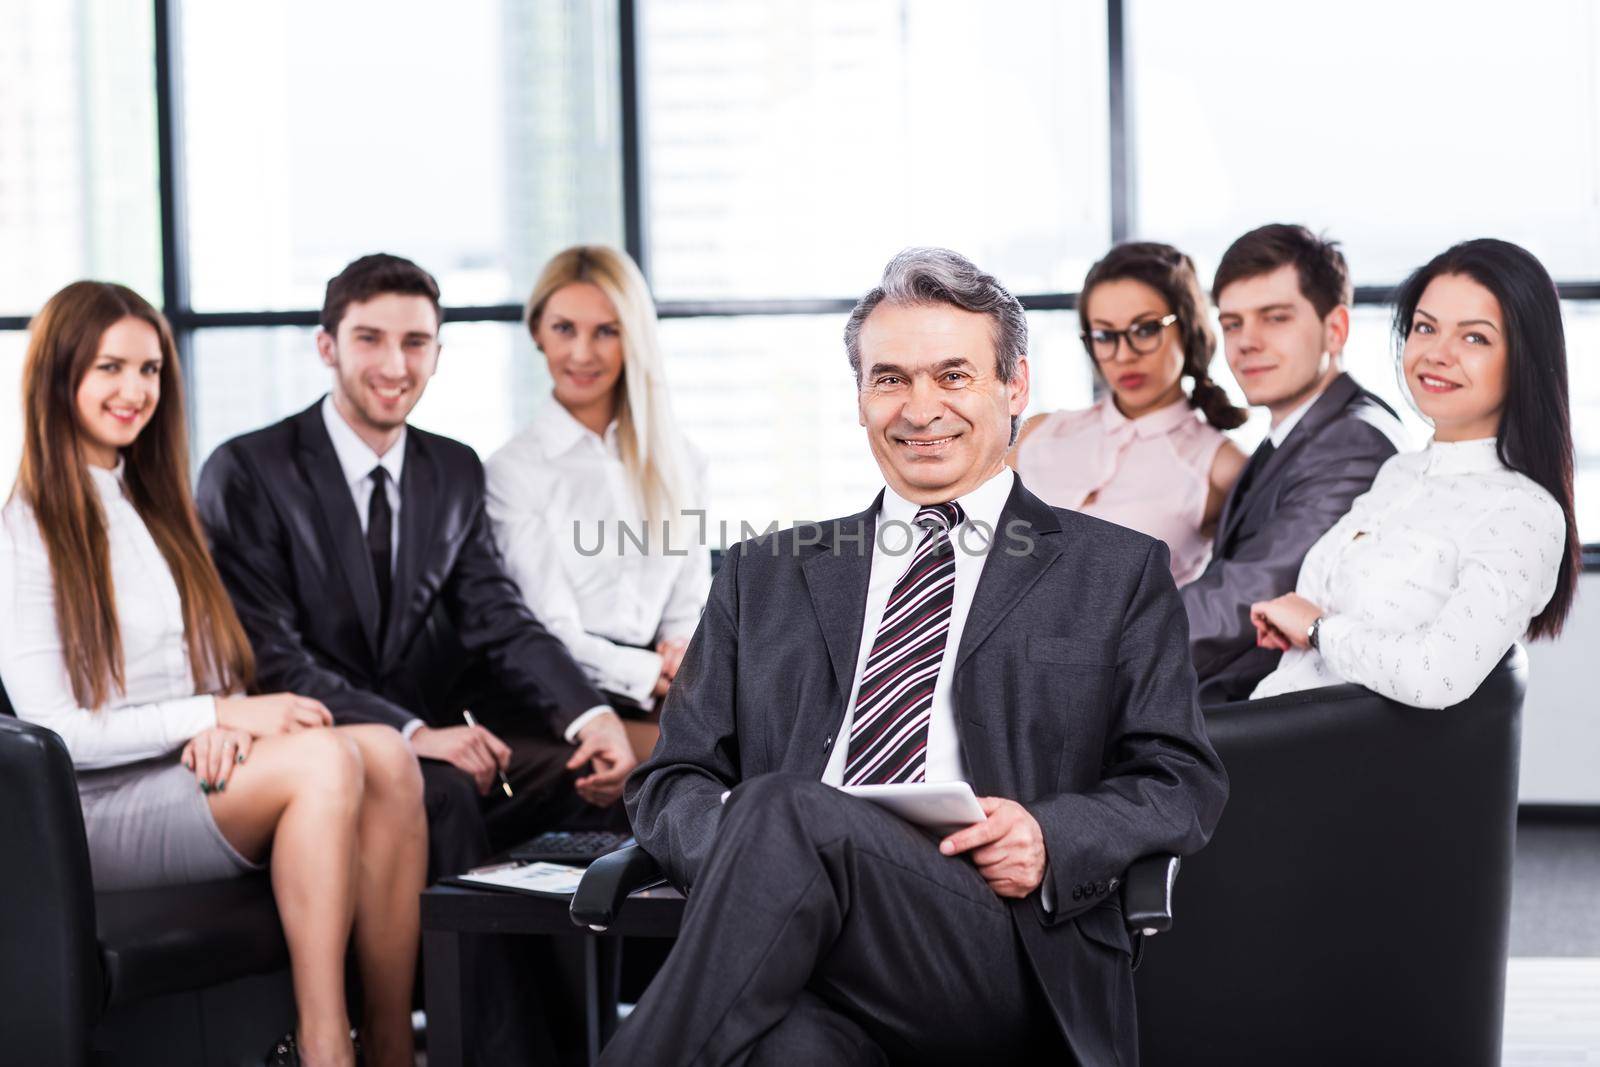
[(1508, 568), (528, 546)]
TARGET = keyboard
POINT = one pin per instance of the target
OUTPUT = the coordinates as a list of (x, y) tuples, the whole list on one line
[(570, 846)]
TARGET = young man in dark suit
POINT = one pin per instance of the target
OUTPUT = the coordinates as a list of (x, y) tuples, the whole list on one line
[(1283, 298), (357, 552), (958, 629)]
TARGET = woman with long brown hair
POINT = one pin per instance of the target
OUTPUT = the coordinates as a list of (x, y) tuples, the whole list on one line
[(121, 639)]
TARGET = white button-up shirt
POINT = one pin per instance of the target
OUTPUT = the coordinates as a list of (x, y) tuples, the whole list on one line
[(160, 708), (1432, 574), (356, 460), (572, 531), (891, 554)]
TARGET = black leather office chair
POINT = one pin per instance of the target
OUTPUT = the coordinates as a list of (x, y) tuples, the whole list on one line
[(1353, 906), (187, 975)]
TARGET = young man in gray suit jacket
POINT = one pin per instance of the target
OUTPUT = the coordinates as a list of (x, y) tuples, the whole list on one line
[(1283, 298), (958, 629)]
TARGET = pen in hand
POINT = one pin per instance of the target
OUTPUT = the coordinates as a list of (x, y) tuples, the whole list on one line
[(498, 773)]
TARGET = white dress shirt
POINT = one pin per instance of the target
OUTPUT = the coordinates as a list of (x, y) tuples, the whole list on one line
[(1279, 433), (1428, 579), (356, 460), (570, 523), (159, 708), (890, 557)]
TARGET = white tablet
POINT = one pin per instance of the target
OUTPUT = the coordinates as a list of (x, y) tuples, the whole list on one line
[(943, 807)]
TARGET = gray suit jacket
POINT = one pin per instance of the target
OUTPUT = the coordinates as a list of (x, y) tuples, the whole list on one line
[(1073, 692), (1264, 533)]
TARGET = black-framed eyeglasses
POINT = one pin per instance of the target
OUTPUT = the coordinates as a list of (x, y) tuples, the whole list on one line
[(1144, 337)]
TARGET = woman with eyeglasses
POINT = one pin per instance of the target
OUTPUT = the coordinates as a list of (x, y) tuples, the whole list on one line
[(1150, 454), (1462, 548)]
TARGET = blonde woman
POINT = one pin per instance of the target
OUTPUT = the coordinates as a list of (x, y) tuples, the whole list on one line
[(592, 505)]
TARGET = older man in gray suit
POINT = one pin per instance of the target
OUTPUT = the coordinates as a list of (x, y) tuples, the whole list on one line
[(958, 629), (1283, 297)]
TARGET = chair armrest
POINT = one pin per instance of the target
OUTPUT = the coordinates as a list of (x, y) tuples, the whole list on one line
[(607, 883), (1147, 894)]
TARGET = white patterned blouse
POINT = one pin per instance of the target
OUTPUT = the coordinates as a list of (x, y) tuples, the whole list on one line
[(1429, 578)]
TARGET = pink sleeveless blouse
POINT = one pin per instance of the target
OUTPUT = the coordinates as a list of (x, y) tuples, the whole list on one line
[(1150, 474)]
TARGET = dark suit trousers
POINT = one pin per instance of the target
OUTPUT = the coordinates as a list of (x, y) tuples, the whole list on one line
[(465, 828), (825, 930), (523, 999)]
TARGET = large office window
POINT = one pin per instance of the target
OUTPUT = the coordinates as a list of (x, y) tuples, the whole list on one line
[(77, 149), (763, 160), (12, 345), (793, 148), (475, 138), (1400, 128)]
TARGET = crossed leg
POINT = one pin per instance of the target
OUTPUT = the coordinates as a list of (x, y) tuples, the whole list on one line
[(340, 813), (813, 902)]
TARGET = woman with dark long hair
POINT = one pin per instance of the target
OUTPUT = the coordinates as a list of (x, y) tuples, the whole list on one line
[(1462, 548), (121, 639), (1150, 454)]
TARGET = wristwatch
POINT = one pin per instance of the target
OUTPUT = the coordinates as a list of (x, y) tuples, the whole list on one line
[(1314, 633)]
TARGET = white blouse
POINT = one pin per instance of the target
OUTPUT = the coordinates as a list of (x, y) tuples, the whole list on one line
[(1429, 578), (160, 709), (571, 529)]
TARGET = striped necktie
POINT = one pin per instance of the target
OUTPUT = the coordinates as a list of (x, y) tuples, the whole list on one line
[(889, 734)]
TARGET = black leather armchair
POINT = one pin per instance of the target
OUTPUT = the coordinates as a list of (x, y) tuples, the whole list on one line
[(187, 975), (1353, 906)]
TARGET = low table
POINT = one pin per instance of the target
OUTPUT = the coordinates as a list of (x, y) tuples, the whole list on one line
[(451, 911)]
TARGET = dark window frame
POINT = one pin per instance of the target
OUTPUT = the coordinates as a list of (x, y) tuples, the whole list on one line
[(175, 267)]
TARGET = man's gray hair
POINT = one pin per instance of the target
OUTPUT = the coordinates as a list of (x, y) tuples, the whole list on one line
[(921, 276)]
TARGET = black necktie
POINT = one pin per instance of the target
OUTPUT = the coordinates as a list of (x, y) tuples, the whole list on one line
[(380, 534), (1253, 468)]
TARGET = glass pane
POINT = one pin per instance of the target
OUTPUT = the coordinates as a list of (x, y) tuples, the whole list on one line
[(77, 149), (476, 144), (780, 436), (793, 148), (1583, 370), (243, 379), (1247, 112), (13, 345), (1063, 380), (488, 382)]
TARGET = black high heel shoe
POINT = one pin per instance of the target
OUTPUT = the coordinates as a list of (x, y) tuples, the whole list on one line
[(284, 1052)]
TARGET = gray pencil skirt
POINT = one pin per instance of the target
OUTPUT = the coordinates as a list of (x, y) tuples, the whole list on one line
[(149, 825)]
